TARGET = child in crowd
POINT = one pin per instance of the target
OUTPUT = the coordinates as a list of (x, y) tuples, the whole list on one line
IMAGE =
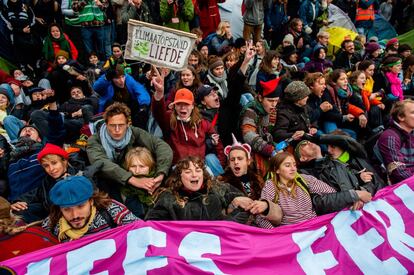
[(140, 162)]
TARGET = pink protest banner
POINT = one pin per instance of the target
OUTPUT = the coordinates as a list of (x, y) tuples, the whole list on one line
[(376, 240)]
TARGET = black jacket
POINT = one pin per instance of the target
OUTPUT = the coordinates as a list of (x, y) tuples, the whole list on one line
[(290, 118), (201, 205)]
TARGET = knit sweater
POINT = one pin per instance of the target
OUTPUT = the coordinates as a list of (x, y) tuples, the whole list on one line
[(397, 150)]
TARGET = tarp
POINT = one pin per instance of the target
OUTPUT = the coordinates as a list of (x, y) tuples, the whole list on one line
[(338, 18), (407, 38), (375, 240), (382, 29)]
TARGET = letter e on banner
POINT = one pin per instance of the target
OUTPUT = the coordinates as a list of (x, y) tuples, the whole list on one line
[(313, 263), (137, 245), (195, 244), (359, 247), (80, 261)]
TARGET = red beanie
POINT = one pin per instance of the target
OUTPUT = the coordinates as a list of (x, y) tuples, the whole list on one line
[(391, 42), (270, 88), (51, 149)]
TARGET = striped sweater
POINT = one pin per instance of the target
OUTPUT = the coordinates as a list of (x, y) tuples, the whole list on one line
[(296, 209)]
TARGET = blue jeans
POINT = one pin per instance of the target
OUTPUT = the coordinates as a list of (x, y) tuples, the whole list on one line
[(329, 126), (109, 38), (12, 125), (94, 40), (213, 163)]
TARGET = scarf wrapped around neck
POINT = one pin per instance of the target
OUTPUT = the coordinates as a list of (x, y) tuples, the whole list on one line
[(66, 231), (396, 86), (221, 83), (111, 145), (48, 50)]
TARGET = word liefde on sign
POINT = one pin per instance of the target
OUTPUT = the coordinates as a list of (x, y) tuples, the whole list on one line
[(158, 45)]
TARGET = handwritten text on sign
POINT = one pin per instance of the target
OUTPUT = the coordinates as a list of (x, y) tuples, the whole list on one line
[(158, 45)]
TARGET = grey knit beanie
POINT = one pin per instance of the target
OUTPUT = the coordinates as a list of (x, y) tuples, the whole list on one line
[(296, 90)]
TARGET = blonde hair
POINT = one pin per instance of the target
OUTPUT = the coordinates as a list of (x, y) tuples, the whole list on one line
[(220, 28), (144, 156)]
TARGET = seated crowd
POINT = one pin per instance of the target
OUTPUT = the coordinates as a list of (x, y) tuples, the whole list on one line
[(259, 135)]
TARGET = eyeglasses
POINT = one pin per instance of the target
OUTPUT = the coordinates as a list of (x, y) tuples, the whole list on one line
[(117, 126)]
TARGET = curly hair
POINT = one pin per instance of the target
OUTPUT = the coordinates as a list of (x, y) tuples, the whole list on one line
[(117, 109), (174, 183)]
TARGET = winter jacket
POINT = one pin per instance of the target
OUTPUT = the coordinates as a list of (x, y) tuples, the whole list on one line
[(397, 150), (256, 130), (290, 118), (201, 205), (343, 61), (132, 12), (254, 14), (309, 10), (114, 171), (209, 15), (116, 215), (184, 139), (74, 105), (184, 11), (275, 16), (219, 44), (105, 89)]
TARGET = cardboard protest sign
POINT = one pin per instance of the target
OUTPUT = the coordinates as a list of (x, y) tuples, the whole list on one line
[(157, 45)]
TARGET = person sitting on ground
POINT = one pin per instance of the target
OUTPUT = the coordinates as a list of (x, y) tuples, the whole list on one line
[(18, 238), (191, 194), (140, 162), (346, 166), (79, 211), (396, 143), (298, 194), (110, 143)]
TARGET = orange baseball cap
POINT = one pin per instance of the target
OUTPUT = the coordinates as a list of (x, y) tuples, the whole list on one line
[(184, 96)]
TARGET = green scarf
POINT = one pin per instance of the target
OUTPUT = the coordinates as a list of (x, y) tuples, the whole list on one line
[(48, 51), (344, 158), (143, 196)]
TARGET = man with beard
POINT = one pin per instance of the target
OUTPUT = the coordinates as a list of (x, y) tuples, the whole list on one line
[(346, 58), (346, 167), (78, 210)]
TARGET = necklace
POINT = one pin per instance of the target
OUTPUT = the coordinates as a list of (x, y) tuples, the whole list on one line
[(285, 186)]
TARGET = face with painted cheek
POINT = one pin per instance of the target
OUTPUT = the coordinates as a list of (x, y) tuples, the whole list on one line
[(77, 216), (187, 78), (183, 110), (192, 178), (238, 162)]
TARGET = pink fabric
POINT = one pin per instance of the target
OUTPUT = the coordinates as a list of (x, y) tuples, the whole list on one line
[(376, 240), (396, 86)]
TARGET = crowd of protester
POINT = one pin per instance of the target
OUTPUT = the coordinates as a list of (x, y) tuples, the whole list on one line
[(268, 129)]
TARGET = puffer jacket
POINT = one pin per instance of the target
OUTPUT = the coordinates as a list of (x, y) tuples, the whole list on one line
[(201, 205)]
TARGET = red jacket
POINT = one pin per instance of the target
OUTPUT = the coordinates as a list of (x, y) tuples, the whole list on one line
[(209, 16), (6, 78), (184, 140)]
